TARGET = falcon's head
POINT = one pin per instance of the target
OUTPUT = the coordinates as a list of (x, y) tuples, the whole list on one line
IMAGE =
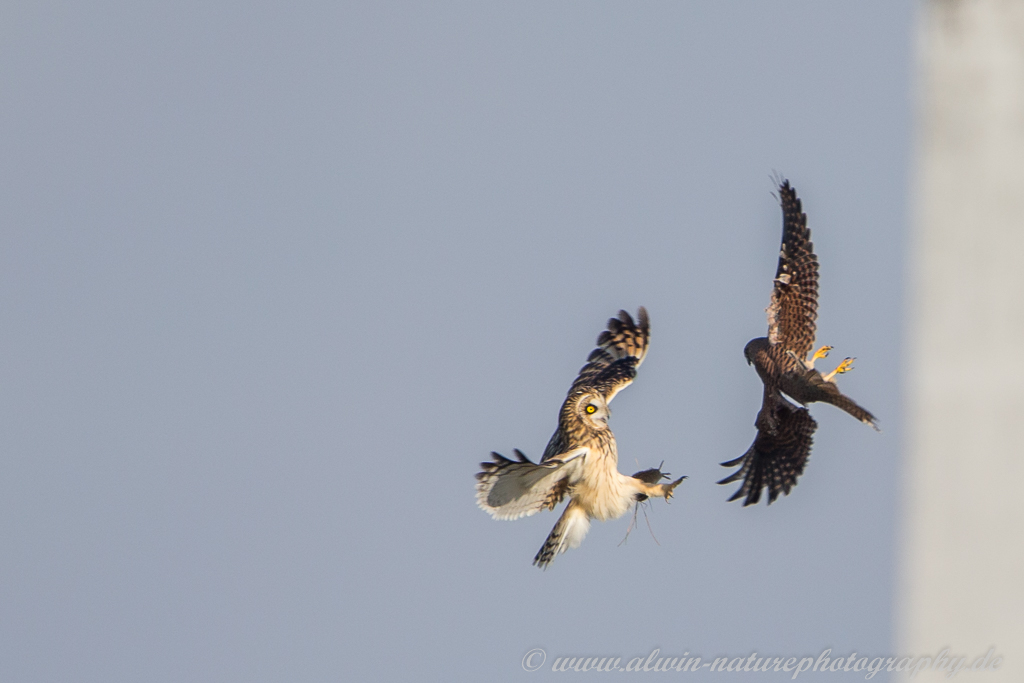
[(753, 346)]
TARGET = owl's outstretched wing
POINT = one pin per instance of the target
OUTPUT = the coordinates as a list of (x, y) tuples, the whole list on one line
[(794, 305), (779, 453), (510, 489), (620, 350)]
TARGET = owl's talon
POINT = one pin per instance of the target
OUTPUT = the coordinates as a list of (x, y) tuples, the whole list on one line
[(671, 488), (821, 353)]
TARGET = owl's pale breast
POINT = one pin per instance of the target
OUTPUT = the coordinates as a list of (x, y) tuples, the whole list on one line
[(602, 490)]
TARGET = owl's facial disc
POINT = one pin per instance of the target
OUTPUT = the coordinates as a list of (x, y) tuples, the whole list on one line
[(595, 411)]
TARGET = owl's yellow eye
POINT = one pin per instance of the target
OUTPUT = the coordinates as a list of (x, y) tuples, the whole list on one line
[(591, 409)]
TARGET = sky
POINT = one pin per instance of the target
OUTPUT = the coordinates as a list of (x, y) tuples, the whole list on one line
[(276, 277)]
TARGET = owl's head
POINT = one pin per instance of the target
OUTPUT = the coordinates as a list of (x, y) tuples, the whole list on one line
[(593, 411)]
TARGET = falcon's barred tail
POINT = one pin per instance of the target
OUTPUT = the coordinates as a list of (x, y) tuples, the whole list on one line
[(846, 403), (569, 532), (828, 392), (776, 458)]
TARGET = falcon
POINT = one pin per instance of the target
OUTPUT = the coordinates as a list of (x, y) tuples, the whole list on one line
[(784, 430), (581, 459)]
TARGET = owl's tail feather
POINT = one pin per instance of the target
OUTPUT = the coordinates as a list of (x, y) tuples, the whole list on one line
[(569, 532)]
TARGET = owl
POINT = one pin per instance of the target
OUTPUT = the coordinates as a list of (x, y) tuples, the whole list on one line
[(581, 459)]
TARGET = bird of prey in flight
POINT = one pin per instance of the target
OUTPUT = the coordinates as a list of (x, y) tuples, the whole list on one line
[(785, 430), (581, 459)]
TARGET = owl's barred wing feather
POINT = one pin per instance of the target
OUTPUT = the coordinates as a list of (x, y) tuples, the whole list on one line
[(779, 453), (621, 349), (794, 303), (510, 489)]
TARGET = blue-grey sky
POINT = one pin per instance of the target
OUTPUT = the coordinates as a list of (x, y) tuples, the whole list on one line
[(275, 278)]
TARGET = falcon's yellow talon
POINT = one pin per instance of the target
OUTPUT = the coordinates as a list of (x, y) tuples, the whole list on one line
[(821, 353), (843, 367)]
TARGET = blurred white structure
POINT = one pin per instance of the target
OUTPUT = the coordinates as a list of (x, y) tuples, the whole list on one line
[(962, 550)]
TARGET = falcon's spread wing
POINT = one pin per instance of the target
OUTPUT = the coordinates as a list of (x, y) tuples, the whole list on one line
[(778, 454), (620, 351), (794, 305), (510, 489)]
